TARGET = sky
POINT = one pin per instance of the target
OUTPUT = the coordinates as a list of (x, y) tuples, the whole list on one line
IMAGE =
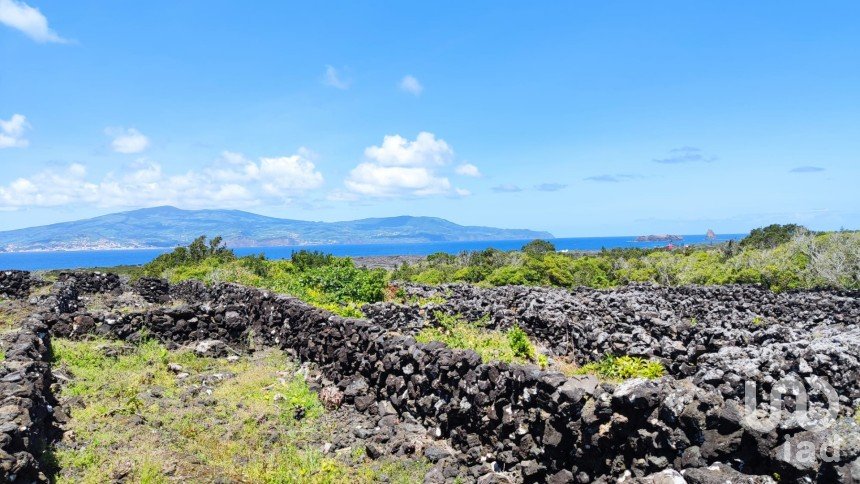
[(580, 118)]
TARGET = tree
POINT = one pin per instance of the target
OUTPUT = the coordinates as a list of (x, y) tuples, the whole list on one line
[(771, 236), (538, 247)]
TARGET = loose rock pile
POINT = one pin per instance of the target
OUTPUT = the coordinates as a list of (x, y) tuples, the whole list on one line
[(518, 422)]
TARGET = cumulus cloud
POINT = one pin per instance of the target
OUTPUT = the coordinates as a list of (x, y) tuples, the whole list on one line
[(396, 150), (506, 188), (12, 132), (611, 178), (468, 169), (231, 181), (411, 85), (388, 181), (334, 79), (402, 168), (284, 174), (686, 154), (29, 20), (127, 141), (807, 169), (550, 187)]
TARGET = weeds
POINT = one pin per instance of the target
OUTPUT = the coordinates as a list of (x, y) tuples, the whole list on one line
[(513, 346), (625, 367)]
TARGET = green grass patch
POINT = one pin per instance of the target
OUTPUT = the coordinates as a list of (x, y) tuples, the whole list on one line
[(455, 332), (255, 420), (623, 368)]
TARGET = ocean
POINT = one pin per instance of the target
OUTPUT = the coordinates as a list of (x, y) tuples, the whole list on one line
[(106, 258)]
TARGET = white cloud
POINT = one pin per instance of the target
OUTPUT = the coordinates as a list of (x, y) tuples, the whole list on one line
[(402, 168), (333, 78), (12, 132), (411, 85), (232, 181), (127, 141), (29, 20), (426, 150), (390, 181), (468, 169)]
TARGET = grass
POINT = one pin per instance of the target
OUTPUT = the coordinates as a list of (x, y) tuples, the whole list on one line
[(857, 415), (623, 368), (512, 346), (255, 421), (12, 311)]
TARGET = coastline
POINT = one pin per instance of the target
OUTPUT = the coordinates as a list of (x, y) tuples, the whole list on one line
[(110, 257)]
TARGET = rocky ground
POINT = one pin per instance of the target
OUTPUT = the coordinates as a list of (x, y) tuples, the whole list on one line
[(718, 336)]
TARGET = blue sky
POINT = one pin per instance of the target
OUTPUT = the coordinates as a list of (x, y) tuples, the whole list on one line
[(581, 118)]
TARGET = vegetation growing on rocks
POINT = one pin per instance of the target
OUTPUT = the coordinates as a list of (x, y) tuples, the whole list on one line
[(331, 283), (512, 346), (624, 367), (151, 415)]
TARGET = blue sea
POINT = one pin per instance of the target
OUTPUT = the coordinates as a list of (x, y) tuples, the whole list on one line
[(106, 258)]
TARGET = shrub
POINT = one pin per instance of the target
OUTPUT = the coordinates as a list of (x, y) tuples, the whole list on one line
[(512, 275), (197, 251), (520, 344), (304, 260), (343, 282)]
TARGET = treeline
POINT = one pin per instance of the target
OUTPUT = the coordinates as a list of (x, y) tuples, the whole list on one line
[(779, 257)]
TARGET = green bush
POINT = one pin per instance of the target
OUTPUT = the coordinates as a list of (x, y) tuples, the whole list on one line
[(344, 282), (520, 344), (304, 260), (196, 252)]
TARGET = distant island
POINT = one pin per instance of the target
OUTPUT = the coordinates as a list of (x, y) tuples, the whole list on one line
[(659, 238), (166, 227)]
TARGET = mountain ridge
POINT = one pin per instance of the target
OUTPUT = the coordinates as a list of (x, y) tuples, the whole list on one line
[(166, 226)]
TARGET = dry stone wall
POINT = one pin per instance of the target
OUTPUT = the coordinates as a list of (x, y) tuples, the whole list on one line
[(26, 404), (15, 284)]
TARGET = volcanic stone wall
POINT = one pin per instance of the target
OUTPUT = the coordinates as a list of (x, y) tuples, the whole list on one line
[(15, 283), (26, 405), (92, 282), (546, 426)]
